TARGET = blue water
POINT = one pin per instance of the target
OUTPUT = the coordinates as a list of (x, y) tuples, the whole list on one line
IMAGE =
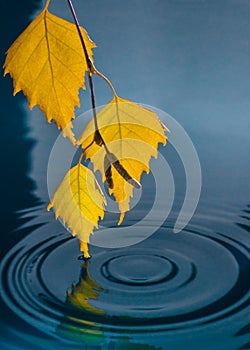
[(188, 290)]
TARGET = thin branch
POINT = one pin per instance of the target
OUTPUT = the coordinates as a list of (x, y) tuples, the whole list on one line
[(106, 80), (90, 71), (88, 61), (97, 137)]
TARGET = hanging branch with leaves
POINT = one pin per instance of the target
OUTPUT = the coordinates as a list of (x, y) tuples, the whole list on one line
[(48, 62)]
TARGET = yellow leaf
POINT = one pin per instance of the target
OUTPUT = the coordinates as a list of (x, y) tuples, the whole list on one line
[(79, 202), (47, 62), (132, 134)]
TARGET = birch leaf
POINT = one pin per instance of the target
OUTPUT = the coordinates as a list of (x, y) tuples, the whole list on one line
[(79, 202), (132, 134), (47, 62)]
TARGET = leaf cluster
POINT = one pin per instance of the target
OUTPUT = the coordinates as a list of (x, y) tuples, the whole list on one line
[(49, 62)]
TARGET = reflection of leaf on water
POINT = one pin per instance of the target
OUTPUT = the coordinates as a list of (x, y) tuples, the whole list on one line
[(76, 325), (84, 290)]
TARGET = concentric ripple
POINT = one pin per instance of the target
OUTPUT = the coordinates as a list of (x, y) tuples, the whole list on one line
[(139, 269), (168, 282)]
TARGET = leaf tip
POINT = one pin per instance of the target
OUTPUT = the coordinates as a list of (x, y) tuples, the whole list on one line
[(49, 206), (16, 89), (121, 218), (67, 132), (5, 71), (84, 248)]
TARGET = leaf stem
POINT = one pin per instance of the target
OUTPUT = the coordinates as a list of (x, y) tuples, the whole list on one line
[(80, 158), (91, 67), (47, 5), (88, 61), (107, 81)]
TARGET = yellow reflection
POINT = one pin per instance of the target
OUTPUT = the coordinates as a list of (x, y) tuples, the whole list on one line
[(76, 327), (84, 290), (75, 324)]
